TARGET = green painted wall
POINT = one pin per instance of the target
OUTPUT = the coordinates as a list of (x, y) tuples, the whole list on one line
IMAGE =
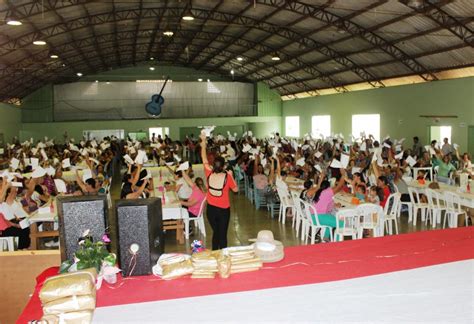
[(75, 129), (10, 122), (38, 106), (399, 108), (269, 101)]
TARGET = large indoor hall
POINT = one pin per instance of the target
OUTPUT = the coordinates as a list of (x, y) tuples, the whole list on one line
[(236, 161)]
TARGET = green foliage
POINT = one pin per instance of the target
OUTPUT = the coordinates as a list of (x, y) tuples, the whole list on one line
[(91, 255)]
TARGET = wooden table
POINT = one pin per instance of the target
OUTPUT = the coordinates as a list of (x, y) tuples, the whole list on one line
[(36, 218)]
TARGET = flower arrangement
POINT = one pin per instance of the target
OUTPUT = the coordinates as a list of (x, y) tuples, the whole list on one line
[(197, 246), (90, 255)]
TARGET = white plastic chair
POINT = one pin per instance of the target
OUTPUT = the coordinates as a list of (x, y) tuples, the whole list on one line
[(453, 209), (415, 199), (436, 206), (350, 226), (372, 219), (310, 226), (390, 212), (285, 203), (298, 215), (198, 221), (9, 242)]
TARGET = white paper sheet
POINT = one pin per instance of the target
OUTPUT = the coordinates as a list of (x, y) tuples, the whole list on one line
[(183, 166), (24, 223), (411, 161), (60, 186), (344, 160), (86, 174)]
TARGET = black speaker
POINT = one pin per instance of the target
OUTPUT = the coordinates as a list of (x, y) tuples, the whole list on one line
[(140, 235), (76, 215)]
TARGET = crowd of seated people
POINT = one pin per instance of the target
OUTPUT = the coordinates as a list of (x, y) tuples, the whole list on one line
[(368, 169), (35, 173)]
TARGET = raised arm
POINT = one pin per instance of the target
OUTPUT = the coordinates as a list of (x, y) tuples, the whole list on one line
[(255, 165), (80, 182), (137, 175), (139, 192), (187, 178), (203, 148), (3, 192)]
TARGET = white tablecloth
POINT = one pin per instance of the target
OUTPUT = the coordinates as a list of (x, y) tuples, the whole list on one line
[(436, 294)]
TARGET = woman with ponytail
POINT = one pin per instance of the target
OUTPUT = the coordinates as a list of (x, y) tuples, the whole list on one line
[(324, 204), (219, 182)]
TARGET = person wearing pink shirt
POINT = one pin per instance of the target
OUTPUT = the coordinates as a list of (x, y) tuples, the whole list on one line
[(324, 204), (198, 195)]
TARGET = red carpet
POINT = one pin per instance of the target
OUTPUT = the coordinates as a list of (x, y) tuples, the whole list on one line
[(302, 265)]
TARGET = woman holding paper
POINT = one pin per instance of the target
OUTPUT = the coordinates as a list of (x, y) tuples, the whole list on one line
[(444, 168), (11, 213), (219, 182)]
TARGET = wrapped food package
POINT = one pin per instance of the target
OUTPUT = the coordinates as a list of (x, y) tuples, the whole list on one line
[(178, 269), (69, 284), (79, 317), (70, 304), (224, 265)]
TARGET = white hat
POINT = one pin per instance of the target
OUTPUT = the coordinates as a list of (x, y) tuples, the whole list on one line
[(267, 248)]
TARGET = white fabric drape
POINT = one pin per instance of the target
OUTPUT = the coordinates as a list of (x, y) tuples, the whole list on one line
[(127, 100)]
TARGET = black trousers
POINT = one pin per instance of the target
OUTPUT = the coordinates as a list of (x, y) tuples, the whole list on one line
[(219, 220), (23, 236)]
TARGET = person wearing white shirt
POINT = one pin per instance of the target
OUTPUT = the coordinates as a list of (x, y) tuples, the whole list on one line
[(183, 189)]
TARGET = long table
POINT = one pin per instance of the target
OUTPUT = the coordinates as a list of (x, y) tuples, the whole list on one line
[(173, 212), (467, 199), (370, 280)]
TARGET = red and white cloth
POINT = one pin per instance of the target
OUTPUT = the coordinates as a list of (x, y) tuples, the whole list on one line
[(423, 276)]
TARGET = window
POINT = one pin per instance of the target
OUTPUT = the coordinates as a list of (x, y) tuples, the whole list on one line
[(101, 133), (439, 133), (321, 125), (292, 126), (369, 124), (158, 131)]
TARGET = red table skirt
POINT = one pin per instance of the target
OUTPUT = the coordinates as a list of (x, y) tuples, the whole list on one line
[(302, 265)]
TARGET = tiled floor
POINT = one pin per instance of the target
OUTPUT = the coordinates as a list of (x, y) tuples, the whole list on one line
[(245, 223)]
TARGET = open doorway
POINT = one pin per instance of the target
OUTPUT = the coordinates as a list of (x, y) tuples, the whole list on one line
[(438, 133)]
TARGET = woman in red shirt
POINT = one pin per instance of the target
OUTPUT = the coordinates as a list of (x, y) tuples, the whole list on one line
[(219, 181), (382, 182)]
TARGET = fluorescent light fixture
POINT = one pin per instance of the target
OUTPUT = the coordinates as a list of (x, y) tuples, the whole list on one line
[(240, 58), (232, 72), (54, 56), (14, 22), (79, 74), (152, 68), (168, 33), (108, 82), (152, 58), (208, 80), (153, 81), (39, 42), (96, 81), (275, 58), (200, 80), (188, 16)]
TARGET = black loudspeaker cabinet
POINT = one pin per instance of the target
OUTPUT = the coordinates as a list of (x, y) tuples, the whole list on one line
[(140, 235), (76, 215)]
